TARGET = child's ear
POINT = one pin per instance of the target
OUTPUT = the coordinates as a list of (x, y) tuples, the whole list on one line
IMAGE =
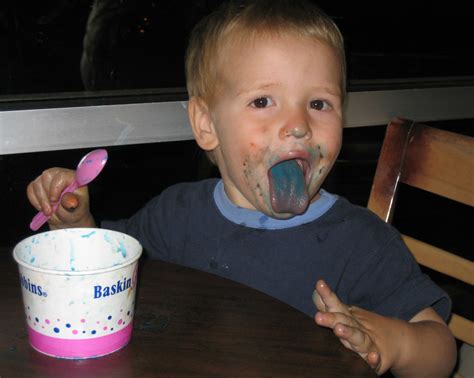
[(202, 124)]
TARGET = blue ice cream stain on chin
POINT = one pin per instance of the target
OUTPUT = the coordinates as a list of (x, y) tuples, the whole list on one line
[(88, 235), (32, 260)]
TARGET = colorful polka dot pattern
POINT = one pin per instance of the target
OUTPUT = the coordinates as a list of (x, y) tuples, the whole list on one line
[(84, 326)]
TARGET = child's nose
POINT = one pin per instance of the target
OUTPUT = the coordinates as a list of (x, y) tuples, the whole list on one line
[(296, 128)]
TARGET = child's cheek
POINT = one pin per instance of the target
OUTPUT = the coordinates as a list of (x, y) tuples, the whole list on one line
[(322, 163), (253, 172)]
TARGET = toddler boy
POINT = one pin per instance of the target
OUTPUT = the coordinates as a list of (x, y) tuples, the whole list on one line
[(266, 81)]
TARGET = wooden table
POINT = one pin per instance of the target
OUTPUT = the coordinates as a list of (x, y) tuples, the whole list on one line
[(186, 323)]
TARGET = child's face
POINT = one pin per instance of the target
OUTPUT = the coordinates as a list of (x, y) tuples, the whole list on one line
[(278, 99)]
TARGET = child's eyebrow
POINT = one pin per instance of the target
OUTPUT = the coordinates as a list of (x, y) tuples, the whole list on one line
[(331, 90), (334, 91), (257, 88)]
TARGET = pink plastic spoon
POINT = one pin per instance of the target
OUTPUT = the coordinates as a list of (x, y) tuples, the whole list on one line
[(87, 170)]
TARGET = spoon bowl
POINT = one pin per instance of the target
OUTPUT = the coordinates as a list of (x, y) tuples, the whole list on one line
[(90, 166), (87, 170)]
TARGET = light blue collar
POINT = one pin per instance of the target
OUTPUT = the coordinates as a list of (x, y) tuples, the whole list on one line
[(256, 219)]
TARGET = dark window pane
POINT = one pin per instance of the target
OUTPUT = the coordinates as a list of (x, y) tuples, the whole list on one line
[(75, 45)]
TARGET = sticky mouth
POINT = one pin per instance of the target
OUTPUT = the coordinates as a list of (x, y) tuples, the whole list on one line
[(303, 164), (288, 186)]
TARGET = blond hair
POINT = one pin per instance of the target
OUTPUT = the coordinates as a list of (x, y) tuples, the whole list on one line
[(236, 21)]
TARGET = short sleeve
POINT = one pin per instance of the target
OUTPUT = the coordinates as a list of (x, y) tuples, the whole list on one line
[(392, 283)]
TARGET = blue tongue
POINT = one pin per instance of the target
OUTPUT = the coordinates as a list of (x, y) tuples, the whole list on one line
[(288, 193)]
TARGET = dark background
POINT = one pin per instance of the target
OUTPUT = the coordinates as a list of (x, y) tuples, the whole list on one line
[(140, 44)]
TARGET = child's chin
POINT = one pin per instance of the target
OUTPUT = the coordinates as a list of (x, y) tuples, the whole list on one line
[(287, 212), (284, 216), (280, 215)]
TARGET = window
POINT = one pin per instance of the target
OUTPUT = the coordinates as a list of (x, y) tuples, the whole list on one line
[(83, 45)]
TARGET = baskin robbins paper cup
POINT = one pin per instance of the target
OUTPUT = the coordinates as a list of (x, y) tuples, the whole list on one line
[(78, 289)]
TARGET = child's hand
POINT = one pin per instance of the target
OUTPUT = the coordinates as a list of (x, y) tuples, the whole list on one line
[(361, 331), (45, 191)]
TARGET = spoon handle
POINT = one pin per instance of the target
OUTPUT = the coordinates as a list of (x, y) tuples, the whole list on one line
[(40, 218)]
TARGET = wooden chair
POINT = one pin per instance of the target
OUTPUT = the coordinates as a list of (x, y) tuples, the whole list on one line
[(439, 162)]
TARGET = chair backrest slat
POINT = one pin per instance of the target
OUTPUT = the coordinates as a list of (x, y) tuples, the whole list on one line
[(385, 184), (441, 260), (448, 163)]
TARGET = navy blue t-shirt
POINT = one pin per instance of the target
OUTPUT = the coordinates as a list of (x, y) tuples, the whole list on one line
[(363, 259)]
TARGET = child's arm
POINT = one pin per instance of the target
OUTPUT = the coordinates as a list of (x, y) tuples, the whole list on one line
[(45, 191), (422, 347)]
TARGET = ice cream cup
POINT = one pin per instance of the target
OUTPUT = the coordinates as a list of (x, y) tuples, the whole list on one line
[(78, 288)]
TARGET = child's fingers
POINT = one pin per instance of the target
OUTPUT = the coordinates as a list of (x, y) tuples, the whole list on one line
[(73, 208), (70, 201), (374, 361), (332, 319), (317, 300), (359, 341), (39, 197), (46, 189), (358, 338), (326, 300), (352, 335), (30, 192), (58, 180)]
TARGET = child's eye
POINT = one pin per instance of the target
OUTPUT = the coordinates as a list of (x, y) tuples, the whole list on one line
[(262, 102), (319, 105)]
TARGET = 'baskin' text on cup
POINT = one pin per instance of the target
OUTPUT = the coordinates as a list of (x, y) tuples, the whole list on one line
[(104, 291), (32, 287)]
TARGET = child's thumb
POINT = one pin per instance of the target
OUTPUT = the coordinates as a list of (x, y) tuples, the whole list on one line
[(318, 301), (70, 202)]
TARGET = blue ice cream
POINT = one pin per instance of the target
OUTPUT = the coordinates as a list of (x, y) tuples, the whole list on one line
[(288, 191)]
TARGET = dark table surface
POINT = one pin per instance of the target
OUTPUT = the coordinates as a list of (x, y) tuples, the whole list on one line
[(186, 323)]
